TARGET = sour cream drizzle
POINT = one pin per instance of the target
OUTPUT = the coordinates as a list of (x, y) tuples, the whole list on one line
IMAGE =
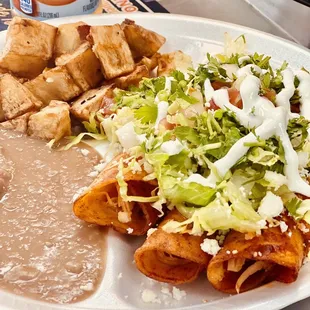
[(247, 70), (209, 91), (242, 59), (304, 92), (284, 96), (258, 112)]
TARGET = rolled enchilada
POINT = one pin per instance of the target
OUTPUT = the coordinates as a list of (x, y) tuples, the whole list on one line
[(171, 257), (242, 264), (103, 204)]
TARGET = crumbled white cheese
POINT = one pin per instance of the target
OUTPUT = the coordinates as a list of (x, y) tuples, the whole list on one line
[(127, 136), (271, 206), (260, 254), (255, 254), (100, 166), (210, 246), (172, 147), (93, 174), (303, 228), (289, 234), (148, 296), (49, 80), (283, 227), (150, 231), (199, 179), (120, 275), (87, 287), (85, 152), (129, 230), (178, 294), (275, 179), (261, 223), (166, 291), (234, 252), (228, 252), (123, 217)]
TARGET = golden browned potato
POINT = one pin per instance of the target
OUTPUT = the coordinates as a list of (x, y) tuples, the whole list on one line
[(28, 47), (173, 61), (91, 101), (15, 98), (133, 78), (52, 122), (142, 42), (83, 66), (151, 63), (69, 38), (111, 47), (54, 84), (19, 123)]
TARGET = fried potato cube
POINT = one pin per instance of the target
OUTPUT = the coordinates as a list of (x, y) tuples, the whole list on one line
[(52, 122), (151, 63), (69, 37), (133, 78), (83, 66), (177, 60), (54, 84), (111, 47), (28, 47), (142, 42), (15, 98), (91, 101), (19, 124)]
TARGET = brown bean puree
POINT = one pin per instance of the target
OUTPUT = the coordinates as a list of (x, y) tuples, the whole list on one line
[(46, 253)]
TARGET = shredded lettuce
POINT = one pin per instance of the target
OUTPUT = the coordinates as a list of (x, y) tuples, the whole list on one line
[(180, 192)]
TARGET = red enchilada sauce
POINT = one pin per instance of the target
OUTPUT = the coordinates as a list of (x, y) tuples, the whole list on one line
[(46, 253)]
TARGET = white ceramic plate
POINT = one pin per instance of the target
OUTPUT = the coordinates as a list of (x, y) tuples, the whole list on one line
[(194, 36)]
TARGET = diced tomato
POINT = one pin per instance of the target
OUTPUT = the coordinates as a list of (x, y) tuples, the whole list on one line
[(301, 196), (218, 85), (165, 124), (213, 106), (270, 95), (234, 97), (295, 108)]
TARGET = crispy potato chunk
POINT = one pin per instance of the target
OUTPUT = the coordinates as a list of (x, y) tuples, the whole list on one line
[(28, 47), (52, 122), (69, 37), (83, 66), (91, 101), (112, 49), (54, 84), (151, 63), (133, 78), (142, 42), (19, 124), (15, 98), (167, 63)]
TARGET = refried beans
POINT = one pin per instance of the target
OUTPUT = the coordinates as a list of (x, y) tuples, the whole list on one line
[(46, 253)]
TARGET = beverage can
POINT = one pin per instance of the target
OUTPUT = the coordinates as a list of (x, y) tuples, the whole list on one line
[(45, 9)]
